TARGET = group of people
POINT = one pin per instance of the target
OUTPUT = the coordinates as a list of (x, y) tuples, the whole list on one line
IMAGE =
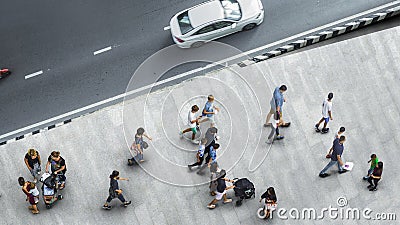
[(51, 181)]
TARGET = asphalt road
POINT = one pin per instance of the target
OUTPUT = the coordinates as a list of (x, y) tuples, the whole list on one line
[(59, 38)]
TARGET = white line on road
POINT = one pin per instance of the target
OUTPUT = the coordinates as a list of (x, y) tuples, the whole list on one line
[(102, 50), (65, 115), (33, 74), (167, 28)]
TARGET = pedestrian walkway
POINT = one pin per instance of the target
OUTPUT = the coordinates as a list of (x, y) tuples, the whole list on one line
[(363, 73)]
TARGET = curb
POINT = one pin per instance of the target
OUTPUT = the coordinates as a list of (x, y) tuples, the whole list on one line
[(316, 38), (42, 130)]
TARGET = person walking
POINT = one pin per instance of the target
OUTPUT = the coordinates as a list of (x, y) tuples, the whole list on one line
[(326, 114), (375, 177), (215, 172), (221, 190), (32, 194), (193, 121), (57, 166), (114, 191), (339, 133), (139, 145), (209, 111), (274, 134), (374, 161), (200, 154), (270, 201), (276, 104), (211, 158), (336, 157), (33, 162)]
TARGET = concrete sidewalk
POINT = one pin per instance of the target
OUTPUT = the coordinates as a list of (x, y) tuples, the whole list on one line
[(361, 72)]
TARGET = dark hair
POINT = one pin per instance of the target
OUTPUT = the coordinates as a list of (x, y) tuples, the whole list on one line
[(342, 138), (210, 97), (283, 87), (373, 156), (114, 173), (140, 131), (380, 165), (55, 153), (330, 96), (222, 173), (342, 129), (21, 181), (216, 146), (271, 193), (195, 108)]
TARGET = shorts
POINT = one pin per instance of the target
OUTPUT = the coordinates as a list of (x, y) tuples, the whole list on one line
[(194, 130), (33, 200), (326, 119), (211, 119), (220, 195)]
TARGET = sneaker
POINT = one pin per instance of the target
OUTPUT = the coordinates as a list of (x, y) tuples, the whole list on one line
[(127, 203), (180, 134), (269, 142), (60, 197), (106, 207), (324, 130), (38, 172), (372, 189), (267, 124), (328, 156), (370, 186), (195, 142), (317, 128), (190, 167), (365, 178), (228, 200), (280, 137), (342, 171), (323, 175), (34, 180), (286, 124), (211, 206)]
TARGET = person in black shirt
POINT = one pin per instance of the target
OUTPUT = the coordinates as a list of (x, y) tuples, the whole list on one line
[(57, 166), (270, 201), (32, 161), (114, 191), (375, 177), (221, 190)]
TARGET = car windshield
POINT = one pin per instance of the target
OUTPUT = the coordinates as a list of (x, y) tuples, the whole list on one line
[(231, 9), (184, 22)]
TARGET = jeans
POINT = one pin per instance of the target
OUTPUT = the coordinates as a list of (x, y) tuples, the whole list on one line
[(35, 170), (370, 171), (120, 197), (330, 164)]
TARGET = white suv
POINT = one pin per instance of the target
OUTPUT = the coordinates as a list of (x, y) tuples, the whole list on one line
[(214, 19)]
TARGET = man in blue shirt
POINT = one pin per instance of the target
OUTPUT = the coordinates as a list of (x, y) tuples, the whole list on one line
[(276, 106), (211, 157), (336, 157), (208, 111)]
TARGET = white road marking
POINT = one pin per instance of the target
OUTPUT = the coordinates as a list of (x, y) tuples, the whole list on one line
[(33, 74), (167, 28), (65, 115), (102, 50)]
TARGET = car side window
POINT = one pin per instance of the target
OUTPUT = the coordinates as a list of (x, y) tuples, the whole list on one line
[(205, 29), (222, 24)]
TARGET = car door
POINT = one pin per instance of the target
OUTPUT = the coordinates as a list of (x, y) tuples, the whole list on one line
[(224, 28)]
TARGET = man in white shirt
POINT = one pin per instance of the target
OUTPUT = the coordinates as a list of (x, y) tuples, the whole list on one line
[(326, 114), (192, 123)]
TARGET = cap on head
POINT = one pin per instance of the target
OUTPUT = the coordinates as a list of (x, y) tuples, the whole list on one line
[(283, 87)]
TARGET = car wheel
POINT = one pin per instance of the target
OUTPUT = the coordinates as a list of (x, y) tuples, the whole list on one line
[(197, 44), (249, 26)]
